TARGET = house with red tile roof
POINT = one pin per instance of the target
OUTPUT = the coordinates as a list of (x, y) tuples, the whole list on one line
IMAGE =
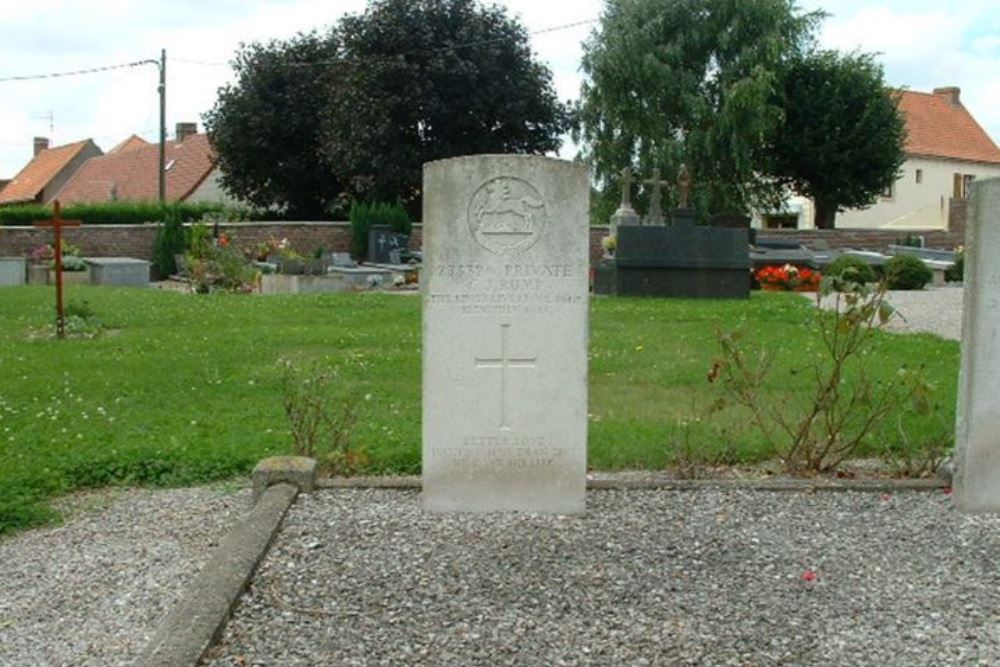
[(47, 172), (130, 172), (946, 149)]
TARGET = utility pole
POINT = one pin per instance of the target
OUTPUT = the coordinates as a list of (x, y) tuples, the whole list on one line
[(163, 125)]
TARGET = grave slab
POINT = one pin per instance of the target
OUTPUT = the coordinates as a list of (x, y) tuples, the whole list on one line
[(505, 312), (13, 271), (977, 446), (118, 271)]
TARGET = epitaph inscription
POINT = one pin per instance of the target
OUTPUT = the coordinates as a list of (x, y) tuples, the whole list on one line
[(505, 293)]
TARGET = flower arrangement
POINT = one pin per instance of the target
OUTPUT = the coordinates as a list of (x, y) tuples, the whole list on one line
[(788, 278), (46, 254), (610, 242)]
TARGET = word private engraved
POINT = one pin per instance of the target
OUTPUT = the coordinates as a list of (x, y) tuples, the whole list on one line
[(507, 215)]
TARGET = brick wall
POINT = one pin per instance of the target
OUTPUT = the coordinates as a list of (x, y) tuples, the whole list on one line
[(137, 240)]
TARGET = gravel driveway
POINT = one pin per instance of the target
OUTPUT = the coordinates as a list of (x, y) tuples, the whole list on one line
[(364, 577), (936, 310)]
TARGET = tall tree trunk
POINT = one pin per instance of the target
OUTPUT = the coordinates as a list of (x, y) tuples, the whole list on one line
[(826, 214)]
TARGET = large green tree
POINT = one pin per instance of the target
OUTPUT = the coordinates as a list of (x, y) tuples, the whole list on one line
[(693, 81), (356, 112), (430, 79), (841, 142), (265, 126)]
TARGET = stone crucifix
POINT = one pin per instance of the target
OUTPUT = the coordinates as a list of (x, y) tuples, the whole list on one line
[(655, 215), (626, 178)]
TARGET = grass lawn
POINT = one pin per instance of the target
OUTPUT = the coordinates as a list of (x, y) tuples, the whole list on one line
[(184, 389)]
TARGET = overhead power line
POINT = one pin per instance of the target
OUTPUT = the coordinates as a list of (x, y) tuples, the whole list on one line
[(91, 70), (450, 47)]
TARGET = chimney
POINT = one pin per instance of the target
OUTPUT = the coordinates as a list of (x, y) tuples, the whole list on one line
[(952, 93), (185, 130), (41, 144)]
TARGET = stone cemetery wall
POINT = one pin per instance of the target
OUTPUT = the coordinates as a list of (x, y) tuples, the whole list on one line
[(137, 240)]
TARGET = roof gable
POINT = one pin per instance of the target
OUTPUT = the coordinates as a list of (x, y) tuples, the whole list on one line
[(134, 141), (937, 125), (38, 173), (133, 174)]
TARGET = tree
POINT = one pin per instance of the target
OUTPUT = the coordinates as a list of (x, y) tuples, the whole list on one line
[(355, 113), (430, 79), (693, 81), (265, 127), (841, 142)]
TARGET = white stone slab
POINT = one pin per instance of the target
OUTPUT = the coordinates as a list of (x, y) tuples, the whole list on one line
[(977, 438), (505, 298), (13, 271)]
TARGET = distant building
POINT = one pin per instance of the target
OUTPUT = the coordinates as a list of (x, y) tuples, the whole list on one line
[(47, 172), (946, 149), (130, 172)]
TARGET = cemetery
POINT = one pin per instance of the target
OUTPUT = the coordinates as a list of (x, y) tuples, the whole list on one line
[(415, 391)]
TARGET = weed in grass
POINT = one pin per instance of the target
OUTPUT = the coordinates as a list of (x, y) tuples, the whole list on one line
[(918, 452), (321, 423), (840, 413)]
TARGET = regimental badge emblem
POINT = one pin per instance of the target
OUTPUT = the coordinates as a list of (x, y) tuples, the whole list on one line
[(507, 215)]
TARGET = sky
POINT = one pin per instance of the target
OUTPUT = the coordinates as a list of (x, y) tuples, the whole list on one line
[(923, 44)]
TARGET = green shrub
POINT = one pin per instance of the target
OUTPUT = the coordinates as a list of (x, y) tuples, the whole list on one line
[(858, 270), (956, 273), (906, 272), (169, 243), (365, 216), (109, 213)]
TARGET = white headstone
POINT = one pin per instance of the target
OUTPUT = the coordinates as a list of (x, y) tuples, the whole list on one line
[(505, 291), (977, 438)]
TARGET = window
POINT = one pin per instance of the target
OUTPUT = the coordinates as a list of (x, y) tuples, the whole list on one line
[(920, 176), (889, 192), (961, 183)]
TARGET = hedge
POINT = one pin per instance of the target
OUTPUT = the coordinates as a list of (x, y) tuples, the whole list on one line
[(117, 213)]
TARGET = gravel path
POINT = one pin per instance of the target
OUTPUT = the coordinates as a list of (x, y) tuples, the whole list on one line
[(936, 310), (364, 577), (92, 591)]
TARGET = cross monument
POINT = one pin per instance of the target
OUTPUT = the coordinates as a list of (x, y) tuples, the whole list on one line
[(57, 224)]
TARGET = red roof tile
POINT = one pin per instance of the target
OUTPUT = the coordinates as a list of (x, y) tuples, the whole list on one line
[(133, 141), (38, 173), (938, 128), (133, 173)]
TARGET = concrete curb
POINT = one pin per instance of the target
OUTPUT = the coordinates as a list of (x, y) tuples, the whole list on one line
[(664, 482), (197, 622)]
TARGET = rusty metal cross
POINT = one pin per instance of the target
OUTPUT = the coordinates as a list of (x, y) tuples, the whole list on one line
[(57, 224)]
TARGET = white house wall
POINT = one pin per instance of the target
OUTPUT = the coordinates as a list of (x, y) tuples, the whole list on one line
[(915, 205), (211, 191)]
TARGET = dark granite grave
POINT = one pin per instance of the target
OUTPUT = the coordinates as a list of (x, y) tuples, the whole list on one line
[(382, 241), (683, 260)]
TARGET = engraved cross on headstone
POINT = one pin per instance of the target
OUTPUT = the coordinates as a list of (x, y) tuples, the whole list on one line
[(655, 215), (505, 362)]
